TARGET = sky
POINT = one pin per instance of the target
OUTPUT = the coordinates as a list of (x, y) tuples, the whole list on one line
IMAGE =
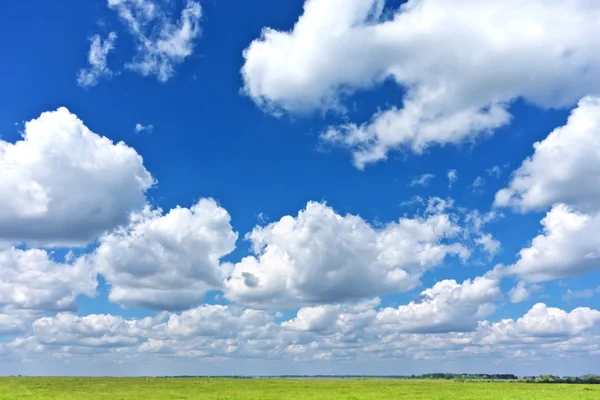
[(220, 187)]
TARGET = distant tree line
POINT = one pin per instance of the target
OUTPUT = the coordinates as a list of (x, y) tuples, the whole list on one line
[(586, 379), (467, 377)]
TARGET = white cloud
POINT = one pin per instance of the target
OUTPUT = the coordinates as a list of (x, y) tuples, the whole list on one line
[(62, 184), (446, 307), (205, 331), (345, 332), (166, 261), (519, 293), (423, 180), (30, 280), (568, 246), (541, 322), (539, 56), (320, 256), (143, 128), (11, 324), (564, 167), (97, 56), (94, 330), (488, 243), (348, 319), (161, 43), (522, 292), (452, 177), (476, 220)]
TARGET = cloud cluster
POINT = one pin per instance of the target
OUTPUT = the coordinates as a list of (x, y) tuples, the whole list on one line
[(32, 284), (568, 246), (563, 168), (62, 184), (343, 332), (459, 62), (561, 173), (166, 261), (320, 256)]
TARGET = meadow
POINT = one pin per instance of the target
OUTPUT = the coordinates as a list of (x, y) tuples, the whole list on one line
[(22, 388)]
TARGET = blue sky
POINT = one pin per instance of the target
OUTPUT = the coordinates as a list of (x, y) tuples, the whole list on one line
[(281, 201)]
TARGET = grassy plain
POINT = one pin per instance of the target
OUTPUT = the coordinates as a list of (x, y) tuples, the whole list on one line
[(24, 388)]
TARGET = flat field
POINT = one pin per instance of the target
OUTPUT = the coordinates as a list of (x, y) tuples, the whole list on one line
[(275, 389)]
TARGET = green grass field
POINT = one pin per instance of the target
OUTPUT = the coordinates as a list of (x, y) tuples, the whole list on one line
[(223, 389)]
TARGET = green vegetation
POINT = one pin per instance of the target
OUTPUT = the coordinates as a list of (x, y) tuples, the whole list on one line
[(273, 389)]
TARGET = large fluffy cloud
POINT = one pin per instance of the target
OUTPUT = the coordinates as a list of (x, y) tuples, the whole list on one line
[(564, 167), (166, 261), (460, 62), (541, 322), (446, 307), (320, 256), (161, 43), (568, 246), (30, 280), (64, 184), (347, 319)]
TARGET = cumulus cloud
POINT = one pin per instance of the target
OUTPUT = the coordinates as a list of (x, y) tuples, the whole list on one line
[(540, 56), (423, 180), (30, 280), (446, 307), (96, 330), (541, 322), (327, 332), (348, 319), (97, 58), (522, 292), (568, 246), (169, 261), (162, 43), (488, 243), (320, 256), (62, 184), (205, 331), (563, 168)]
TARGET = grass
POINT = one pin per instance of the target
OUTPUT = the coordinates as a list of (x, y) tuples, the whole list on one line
[(275, 389)]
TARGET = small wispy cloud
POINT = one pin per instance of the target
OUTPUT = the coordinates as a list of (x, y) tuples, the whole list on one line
[(97, 58), (496, 171), (422, 180), (143, 128), (477, 185), (161, 42), (580, 294), (452, 177)]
